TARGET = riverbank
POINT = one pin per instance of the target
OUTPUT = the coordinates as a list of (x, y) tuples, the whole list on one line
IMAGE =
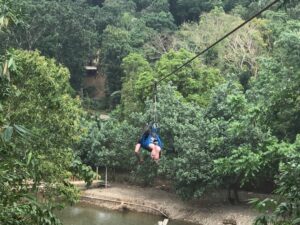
[(211, 210)]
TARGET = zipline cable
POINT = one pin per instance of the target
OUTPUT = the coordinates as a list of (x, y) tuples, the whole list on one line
[(155, 102), (202, 52), (218, 41)]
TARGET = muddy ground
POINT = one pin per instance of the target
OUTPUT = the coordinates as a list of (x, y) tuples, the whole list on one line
[(213, 209)]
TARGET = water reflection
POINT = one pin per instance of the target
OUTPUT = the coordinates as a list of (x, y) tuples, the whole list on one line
[(83, 214)]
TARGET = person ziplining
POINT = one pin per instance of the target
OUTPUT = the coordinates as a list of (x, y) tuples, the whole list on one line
[(150, 141)]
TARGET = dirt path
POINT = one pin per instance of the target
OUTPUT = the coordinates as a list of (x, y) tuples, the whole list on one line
[(152, 200)]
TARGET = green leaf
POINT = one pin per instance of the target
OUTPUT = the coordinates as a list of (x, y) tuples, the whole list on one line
[(22, 130), (2, 21), (7, 134), (29, 157), (296, 221), (11, 62)]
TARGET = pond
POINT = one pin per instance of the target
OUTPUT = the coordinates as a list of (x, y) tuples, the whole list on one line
[(83, 214)]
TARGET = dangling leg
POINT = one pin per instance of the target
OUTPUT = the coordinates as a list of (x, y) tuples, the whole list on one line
[(155, 150), (157, 153), (138, 153)]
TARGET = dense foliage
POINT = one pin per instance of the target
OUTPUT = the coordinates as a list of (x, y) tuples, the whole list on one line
[(230, 119), (39, 122), (36, 95), (55, 29)]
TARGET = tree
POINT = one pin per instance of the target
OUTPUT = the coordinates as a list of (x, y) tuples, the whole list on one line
[(96, 2), (159, 21), (139, 74), (142, 4), (284, 209), (38, 97), (277, 84), (195, 81), (188, 10), (239, 52), (7, 14), (55, 29), (138, 31), (158, 17), (104, 145), (187, 160), (277, 89), (113, 10), (128, 36), (157, 6), (158, 45), (115, 46)]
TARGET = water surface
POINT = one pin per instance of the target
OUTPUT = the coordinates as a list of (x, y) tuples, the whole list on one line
[(83, 214)]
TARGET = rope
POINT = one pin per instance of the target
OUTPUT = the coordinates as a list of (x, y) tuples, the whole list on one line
[(155, 103), (204, 51), (218, 41)]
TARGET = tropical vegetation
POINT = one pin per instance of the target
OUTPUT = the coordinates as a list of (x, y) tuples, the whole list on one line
[(229, 119)]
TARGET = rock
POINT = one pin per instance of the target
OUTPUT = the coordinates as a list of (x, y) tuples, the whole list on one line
[(230, 221), (122, 207)]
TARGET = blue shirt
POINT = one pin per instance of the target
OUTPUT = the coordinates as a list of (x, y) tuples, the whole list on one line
[(148, 139)]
